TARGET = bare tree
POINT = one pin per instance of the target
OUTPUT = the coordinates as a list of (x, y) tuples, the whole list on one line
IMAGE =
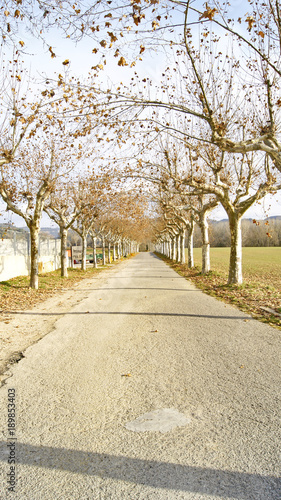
[(84, 223), (64, 206), (25, 188), (29, 179), (203, 207), (237, 185), (17, 114)]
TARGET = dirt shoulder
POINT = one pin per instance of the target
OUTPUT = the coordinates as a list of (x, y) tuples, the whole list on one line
[(261, 300), (28, 315)]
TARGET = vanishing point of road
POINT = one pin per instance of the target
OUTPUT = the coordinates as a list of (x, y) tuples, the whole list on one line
[(146, 389)]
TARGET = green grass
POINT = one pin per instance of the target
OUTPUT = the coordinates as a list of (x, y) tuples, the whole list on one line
[(259, 264)]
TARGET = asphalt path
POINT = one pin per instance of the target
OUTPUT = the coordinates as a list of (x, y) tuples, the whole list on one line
[(145, 341)]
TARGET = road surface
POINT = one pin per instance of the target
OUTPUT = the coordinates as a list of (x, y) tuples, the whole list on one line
[(146, 389)]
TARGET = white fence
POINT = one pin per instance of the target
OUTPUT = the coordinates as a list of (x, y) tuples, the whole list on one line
[(15, 254)]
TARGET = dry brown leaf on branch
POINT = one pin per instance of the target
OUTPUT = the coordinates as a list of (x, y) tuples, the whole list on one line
[(250, 20), (208, 13), (52, 53), (122, 62)]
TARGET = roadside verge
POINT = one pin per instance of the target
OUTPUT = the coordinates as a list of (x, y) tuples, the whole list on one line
[(261, 300)]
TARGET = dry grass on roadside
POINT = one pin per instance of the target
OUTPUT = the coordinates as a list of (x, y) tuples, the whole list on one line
[(261, 288), (15, 293)]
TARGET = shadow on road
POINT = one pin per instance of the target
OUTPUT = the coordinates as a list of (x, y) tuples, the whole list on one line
[(125, 313), (136, 277), (156, 474)]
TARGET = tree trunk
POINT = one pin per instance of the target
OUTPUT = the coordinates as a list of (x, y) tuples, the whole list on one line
[(34, 240), (170, 249), (174, 249), (235, 263), (190, 231), (114, 252), (95, 264), (179, 247), (109, 256), (183, 247), (103, 252), (205, 244), (84, 253), (63, 254)]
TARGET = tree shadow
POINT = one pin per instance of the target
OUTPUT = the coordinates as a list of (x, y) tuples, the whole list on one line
[(130, 288), (128, 313), (156, 474), (170, 277)]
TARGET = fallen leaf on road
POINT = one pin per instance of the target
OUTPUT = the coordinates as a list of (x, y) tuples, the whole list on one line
[(126, 375)]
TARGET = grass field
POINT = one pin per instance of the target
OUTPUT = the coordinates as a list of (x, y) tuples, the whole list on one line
[(261, 286), (260, 264)]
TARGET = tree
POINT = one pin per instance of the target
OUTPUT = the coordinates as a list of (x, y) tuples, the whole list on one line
[(205, 204), (64, 206), (24, 189), (218, 83), (181, 207), (232, 93), (194, 171), (17, 114), (102, 21), (27, 181), (260, 54), (90, 192), (237, 185), (126, 221), (177, 220)]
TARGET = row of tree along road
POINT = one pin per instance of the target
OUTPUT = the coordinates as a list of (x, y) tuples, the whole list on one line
[(15, 251), (204, 131)]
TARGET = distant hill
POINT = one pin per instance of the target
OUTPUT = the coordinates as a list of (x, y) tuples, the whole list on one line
[(54, 232), (255, 232), (272, 217)]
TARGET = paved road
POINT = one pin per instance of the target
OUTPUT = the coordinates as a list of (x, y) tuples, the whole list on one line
[(212, 371)]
